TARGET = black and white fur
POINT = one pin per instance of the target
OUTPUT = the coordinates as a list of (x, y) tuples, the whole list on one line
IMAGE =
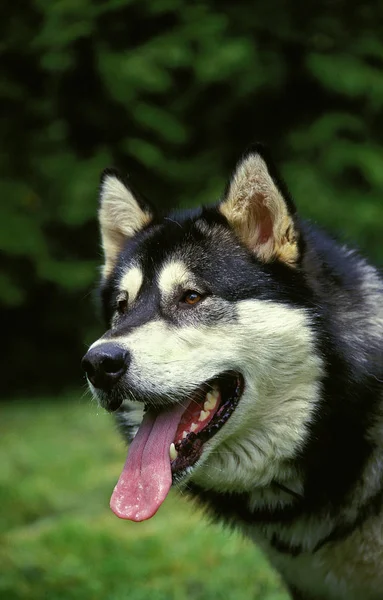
[(299, 465)]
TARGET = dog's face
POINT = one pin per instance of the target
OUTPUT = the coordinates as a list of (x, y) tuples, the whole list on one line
[(208, 339)]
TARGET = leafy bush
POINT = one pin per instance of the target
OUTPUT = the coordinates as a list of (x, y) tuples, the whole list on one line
[(172, 93)]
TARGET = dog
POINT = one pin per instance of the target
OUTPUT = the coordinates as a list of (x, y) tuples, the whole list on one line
[(243, 360)]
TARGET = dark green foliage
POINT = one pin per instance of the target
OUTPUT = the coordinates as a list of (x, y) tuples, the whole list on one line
[(171, 92)]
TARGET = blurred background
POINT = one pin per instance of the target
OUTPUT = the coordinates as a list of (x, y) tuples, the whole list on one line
[(171, 93)]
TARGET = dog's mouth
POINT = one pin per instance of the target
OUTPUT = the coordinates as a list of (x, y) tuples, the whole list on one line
[(169, 442), (207, 411)]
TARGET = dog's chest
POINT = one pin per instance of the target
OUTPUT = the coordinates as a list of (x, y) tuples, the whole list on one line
[(349, 569)]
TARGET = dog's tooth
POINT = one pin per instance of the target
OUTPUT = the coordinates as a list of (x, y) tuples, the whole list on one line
[(211, 401), (203, 415), (184, 435), (172, 451), (193, 426)]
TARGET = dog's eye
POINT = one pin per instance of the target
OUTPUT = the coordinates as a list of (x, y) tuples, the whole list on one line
[(191, 297), (122, 305)]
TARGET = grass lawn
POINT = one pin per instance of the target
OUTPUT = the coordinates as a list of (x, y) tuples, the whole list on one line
[(60, 458)]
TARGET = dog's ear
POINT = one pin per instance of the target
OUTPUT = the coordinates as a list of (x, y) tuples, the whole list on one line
[(260, 211), (120, 216)]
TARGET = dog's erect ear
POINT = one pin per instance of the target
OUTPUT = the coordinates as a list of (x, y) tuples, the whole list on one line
[(261, 211), (120, 215)]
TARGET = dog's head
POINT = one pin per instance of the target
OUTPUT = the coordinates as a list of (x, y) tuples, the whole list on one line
[(208, 339)]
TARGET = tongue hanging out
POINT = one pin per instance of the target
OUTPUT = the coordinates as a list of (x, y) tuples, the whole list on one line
[(147, 477), (166, 442)]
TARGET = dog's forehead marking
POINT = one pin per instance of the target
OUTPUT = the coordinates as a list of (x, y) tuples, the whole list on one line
[(173, 274), (131, 282)]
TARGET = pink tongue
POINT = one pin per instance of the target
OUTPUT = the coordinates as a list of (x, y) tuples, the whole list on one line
[(146, 478)]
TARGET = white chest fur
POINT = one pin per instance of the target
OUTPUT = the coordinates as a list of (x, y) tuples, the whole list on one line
[(349, 569)]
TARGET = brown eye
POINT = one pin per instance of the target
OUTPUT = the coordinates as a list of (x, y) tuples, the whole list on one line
[(122, 305), (191, 297)]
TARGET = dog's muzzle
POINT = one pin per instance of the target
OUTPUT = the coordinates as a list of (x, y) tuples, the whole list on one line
[(105, 364)]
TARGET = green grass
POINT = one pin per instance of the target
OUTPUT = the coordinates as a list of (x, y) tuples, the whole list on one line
[(60, 459)]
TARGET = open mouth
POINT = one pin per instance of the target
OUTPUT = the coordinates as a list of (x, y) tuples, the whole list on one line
[(207, 411), (168, 442)]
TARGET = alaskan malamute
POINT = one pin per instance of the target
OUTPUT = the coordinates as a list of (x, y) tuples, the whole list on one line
[(243, 358)]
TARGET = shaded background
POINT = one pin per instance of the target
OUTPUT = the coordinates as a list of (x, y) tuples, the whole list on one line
[(171, 92)]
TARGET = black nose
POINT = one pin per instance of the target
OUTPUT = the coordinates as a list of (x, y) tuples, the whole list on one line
[(105, 364)]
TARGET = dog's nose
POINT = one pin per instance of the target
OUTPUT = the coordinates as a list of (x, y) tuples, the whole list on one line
[(105, 364)]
